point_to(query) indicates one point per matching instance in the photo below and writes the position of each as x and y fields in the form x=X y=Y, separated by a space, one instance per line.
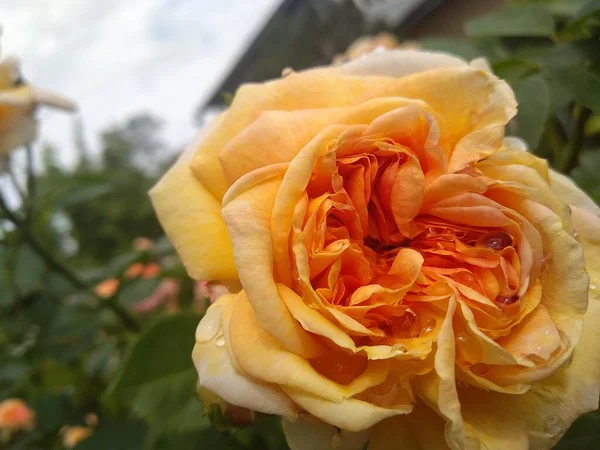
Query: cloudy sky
x=116 y=57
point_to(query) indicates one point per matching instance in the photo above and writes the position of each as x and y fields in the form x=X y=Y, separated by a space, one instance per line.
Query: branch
x=30 y=185
x=63 y=270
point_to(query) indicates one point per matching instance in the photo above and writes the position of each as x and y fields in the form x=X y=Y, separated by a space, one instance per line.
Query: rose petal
x=217 y=374
x=191 y=217
x=309 y=433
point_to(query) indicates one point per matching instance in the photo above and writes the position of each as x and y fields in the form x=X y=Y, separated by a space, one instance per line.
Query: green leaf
x=82 y=194
x=208 y=439
x=534 y=104
x=134 y=291
x=513 y=69
x=583 y=434
x=526 y=20
x=158 y=377
x=564 y=8
x=590 y=7
x=582 y=84
x=29 y=270
x=115 y=436
x=462 y=48
x=52 y=411
x=172 y=404
x=586 y=175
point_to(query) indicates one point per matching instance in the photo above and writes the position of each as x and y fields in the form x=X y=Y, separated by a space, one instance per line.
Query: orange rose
x=410 y=276
x=74 y=435
x=107 y=288
x=15 y=415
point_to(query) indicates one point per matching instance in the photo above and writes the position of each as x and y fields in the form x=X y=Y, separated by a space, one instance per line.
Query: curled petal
x=217 y=373
x=191 y=217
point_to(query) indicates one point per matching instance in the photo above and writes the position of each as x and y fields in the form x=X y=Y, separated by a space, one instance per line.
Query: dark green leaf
x=513 y=69
x=158 y=376
x=591 y=6
x=559 y=94
x=209 y=439
x=82 y=194
x=115 y=436
x=583 y=434
x=534 y=105
x=582 y=84
x=526 y=20
x=171 y=403
x=29 y=270
x=586 y=175
x=53 y=411
x=134 y=291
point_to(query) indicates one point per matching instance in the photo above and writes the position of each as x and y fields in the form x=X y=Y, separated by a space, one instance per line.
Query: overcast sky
x=118 y=57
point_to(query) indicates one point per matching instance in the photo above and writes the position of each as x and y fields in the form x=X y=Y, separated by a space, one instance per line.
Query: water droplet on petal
x=553 y=426
x=463 y=338
x=209 y=325
x=506 y=300
x=480 y=369
x=547 y=333
x=593 y=286
x=497 y=241
x=429 y=325
x=220 y=341
x=398 y=349
x=538 y=348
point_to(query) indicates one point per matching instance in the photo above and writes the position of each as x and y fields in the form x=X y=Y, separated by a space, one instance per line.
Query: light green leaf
x=534 y=104
x=582 y=83
x=158 y=377
x=529 y=20
x=462 y=48
x=564 y=8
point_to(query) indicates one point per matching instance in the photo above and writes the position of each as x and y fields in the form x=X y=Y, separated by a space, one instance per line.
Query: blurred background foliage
x=97 y=314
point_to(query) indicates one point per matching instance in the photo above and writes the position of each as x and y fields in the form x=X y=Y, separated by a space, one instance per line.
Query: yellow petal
x=9 y=72
x=16 y=129
x=349 y=414
x=586 y=220
x=422 y=429
x=247 y=211
x=438 y=388
x=191 y=217
x=309 y=433
x=278 y=136
x=217 y=373
x=400 y=63
x=261 y=356
x=540 y=417
x=569 y=193
x=479 y=118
